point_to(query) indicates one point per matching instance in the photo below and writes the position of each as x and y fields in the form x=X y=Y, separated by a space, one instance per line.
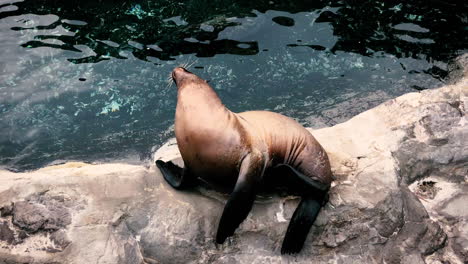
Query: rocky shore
x=400 y=196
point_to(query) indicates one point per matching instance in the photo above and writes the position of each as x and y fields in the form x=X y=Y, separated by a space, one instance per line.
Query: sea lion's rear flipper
x=242 y=197
x=314 y=196
x=300 y=181
x=177 y=177
x=300 y=224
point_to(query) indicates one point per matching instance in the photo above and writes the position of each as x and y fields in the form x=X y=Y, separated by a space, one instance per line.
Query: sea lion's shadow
x=276 y=186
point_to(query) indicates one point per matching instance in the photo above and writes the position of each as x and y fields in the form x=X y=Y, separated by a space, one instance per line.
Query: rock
x=46 y=214
x=6 y=234
x=399 y=196
x=29 y=216
x=6 y=210
x=458 y=69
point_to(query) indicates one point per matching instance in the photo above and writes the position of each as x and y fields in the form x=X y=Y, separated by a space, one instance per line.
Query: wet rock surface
x=400 y=196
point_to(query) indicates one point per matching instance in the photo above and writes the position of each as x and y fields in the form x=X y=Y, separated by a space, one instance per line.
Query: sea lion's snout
x=179 y=73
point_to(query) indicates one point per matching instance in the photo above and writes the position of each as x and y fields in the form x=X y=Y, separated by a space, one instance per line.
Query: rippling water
x=87 y=80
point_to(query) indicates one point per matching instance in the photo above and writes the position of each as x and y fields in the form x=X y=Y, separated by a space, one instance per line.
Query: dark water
x=86 y=80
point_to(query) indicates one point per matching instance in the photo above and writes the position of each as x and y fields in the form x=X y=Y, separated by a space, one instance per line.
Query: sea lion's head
x=182 y=77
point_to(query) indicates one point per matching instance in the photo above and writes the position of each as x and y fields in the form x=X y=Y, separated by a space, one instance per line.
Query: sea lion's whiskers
x=187 y=65
x=169 y=77
x=183 y=65
x=169 y=84
x=191 y=64
x=169 y=81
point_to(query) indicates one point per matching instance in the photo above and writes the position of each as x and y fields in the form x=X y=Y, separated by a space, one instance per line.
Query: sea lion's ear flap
x=241 y=199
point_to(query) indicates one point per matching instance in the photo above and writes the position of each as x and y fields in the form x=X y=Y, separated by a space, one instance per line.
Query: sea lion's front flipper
x=242 y=197
x=177 y=177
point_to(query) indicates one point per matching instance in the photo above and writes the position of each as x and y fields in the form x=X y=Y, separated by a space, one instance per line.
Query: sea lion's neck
x=200 y=104
x=199 y=97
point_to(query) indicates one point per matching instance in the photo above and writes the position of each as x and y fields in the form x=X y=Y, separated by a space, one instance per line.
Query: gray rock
x=60 y=241
x=458 y=69
x=399 y=196
x=6 y=210
x=30 y=216
x=6 y=234
x=46 y=214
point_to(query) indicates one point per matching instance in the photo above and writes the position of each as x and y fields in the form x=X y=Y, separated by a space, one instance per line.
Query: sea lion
x=242 y=151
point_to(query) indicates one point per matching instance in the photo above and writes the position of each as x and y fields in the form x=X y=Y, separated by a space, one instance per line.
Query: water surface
x=87 y=80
